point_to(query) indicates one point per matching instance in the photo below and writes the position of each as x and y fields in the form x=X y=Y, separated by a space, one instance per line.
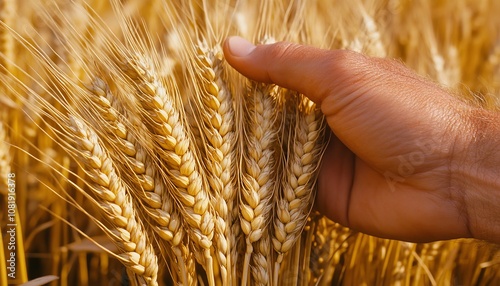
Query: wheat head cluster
x=142 y=158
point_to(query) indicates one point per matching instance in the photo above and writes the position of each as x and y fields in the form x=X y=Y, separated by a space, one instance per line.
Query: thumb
x=365 y=99
x=308 y=70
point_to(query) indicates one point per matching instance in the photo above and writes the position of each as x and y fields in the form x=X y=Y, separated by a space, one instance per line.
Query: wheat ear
x=218 y=126
x=297 y=192
x=166 y=123
x=116 y=203
x=259 y=167
x=159 y=206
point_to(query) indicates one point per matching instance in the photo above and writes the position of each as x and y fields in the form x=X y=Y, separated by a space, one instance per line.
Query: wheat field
x=131 y=153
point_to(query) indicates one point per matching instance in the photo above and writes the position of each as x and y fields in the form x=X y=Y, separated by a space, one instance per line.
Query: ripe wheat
x=216 y=109
x=297 y=193
x=147 y=182
x=116 y=203
x=259 y=170
x=174 y=147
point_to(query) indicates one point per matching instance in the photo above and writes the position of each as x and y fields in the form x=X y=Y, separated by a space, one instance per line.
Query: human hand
x=395 y=165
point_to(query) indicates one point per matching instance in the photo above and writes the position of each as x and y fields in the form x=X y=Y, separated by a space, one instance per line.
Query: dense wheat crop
x=132 y=154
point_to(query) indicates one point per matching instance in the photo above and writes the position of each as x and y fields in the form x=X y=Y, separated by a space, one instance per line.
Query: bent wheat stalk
x=115 y=202
x=174 y=146
x=151 y=188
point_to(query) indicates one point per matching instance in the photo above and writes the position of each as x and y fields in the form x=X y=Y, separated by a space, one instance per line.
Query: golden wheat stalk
x=216 y=109
x=297 y=194
x=148 y=184
x=174 y=146
x=259 y=170
x=116 y=203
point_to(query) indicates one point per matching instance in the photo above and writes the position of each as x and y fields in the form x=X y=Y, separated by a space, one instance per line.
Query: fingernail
x=240 y=47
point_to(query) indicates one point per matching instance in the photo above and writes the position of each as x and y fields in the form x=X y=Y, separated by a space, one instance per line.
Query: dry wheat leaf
x=93 y=244
x=41 y=280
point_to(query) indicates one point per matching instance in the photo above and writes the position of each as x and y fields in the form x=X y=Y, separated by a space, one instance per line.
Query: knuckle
x=349 y=68
x=283 y=50
x=348 y=63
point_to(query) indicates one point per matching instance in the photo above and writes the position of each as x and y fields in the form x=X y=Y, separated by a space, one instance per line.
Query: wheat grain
x=116 y=203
